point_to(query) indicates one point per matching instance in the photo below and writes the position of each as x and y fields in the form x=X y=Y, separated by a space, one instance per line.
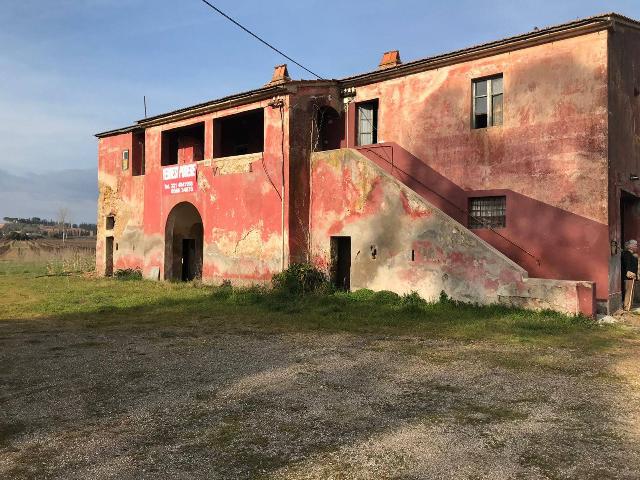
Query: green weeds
x=103 y=302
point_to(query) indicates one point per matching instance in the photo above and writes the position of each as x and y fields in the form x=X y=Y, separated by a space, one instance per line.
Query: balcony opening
x=183 y=145
x=137 y=158
x=239 y=134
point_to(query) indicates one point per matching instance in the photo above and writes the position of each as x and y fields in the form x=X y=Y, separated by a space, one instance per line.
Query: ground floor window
x=488 y=212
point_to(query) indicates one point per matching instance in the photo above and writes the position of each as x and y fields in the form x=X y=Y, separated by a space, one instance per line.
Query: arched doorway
x=183 y=243
x=330 y=129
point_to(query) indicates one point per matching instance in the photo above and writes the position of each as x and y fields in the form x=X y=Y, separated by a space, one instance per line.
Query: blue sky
x=71 y=68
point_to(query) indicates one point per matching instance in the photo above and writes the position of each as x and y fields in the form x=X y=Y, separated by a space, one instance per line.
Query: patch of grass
x=35 y=267
x=10 y=430
x=87 y=344
x=104 y=302
x=471 y=413
x=224 y=434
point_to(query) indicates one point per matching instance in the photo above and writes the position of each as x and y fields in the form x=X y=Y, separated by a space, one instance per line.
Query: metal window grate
x=488 y=212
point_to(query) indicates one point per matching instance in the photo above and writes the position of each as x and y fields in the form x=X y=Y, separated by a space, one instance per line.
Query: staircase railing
x=464 y=211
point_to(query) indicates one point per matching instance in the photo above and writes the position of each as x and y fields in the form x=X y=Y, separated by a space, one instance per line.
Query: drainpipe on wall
x=282 y=190
x=279 y=104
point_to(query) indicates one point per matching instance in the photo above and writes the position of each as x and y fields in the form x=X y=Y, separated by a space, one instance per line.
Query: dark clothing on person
x=629 y=263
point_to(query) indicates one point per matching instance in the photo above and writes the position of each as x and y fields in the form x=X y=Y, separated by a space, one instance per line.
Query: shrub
x=299 y=279
x=413 y=299
x=384 y=297
x=128 y=274
x=362 y=294
x=444 y=298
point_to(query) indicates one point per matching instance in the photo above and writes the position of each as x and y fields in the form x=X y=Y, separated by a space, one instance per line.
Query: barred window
x=488 y=212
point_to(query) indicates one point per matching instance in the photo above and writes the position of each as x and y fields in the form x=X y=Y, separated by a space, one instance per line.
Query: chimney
x=390 y=59
x=280 y=75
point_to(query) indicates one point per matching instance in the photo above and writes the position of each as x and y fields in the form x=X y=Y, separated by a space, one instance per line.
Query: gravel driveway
x=133 y=402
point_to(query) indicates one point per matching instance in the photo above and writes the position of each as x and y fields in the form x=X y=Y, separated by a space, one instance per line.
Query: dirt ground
x=138 y=401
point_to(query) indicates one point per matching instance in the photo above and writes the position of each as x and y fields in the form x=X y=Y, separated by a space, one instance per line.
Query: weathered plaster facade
x=564 y=158
x=417 y=246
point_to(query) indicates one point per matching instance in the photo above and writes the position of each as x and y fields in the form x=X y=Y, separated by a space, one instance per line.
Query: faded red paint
x=558 y=160
x=549 y=158
x=446 y=256
x=233 y=206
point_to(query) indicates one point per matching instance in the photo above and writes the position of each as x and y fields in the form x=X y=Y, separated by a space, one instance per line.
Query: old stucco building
x=506 y=172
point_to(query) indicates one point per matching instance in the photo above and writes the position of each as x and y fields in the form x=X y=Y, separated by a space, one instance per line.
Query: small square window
x=487 y=102
x=487 y=212
x=110 y=222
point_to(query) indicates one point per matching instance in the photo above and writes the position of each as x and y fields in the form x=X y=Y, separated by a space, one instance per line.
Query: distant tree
x=63 y=217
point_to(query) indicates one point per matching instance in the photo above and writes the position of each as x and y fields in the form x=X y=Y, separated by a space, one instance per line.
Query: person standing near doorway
x=629 y=271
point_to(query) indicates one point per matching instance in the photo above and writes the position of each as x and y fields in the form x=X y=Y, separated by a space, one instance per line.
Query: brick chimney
x=390 y=59
x=280 y=75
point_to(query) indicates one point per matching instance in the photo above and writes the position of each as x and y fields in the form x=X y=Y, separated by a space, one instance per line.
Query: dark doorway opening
x=108 y=270
x=330 y=129
x=189 y=267
x=629 y=216
x=183 y=243
x=629 y=226
x=341 y=262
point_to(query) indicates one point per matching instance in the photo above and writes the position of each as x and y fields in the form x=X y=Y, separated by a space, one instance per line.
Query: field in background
x=47 y=256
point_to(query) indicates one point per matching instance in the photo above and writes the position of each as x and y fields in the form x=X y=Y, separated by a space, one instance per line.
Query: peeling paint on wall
x=447 y=256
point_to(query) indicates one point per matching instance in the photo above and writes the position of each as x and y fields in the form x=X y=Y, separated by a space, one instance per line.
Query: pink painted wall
x=549 y=156
x=121 y=195
x=239 y=205
x=352 y=196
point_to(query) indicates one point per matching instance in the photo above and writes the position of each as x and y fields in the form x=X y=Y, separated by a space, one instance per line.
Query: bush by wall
x=128 y=274
x=300 y=279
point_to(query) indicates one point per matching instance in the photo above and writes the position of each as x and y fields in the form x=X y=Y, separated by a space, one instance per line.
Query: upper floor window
x=367 y=122
x=125 y=160
x=487 y=102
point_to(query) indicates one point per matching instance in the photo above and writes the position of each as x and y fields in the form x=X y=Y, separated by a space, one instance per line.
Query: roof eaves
x=118 y=131
x=544 y=35
x=193 y=110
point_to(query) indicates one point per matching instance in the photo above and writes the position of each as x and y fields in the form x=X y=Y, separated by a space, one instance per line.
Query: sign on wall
x=180 y=178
